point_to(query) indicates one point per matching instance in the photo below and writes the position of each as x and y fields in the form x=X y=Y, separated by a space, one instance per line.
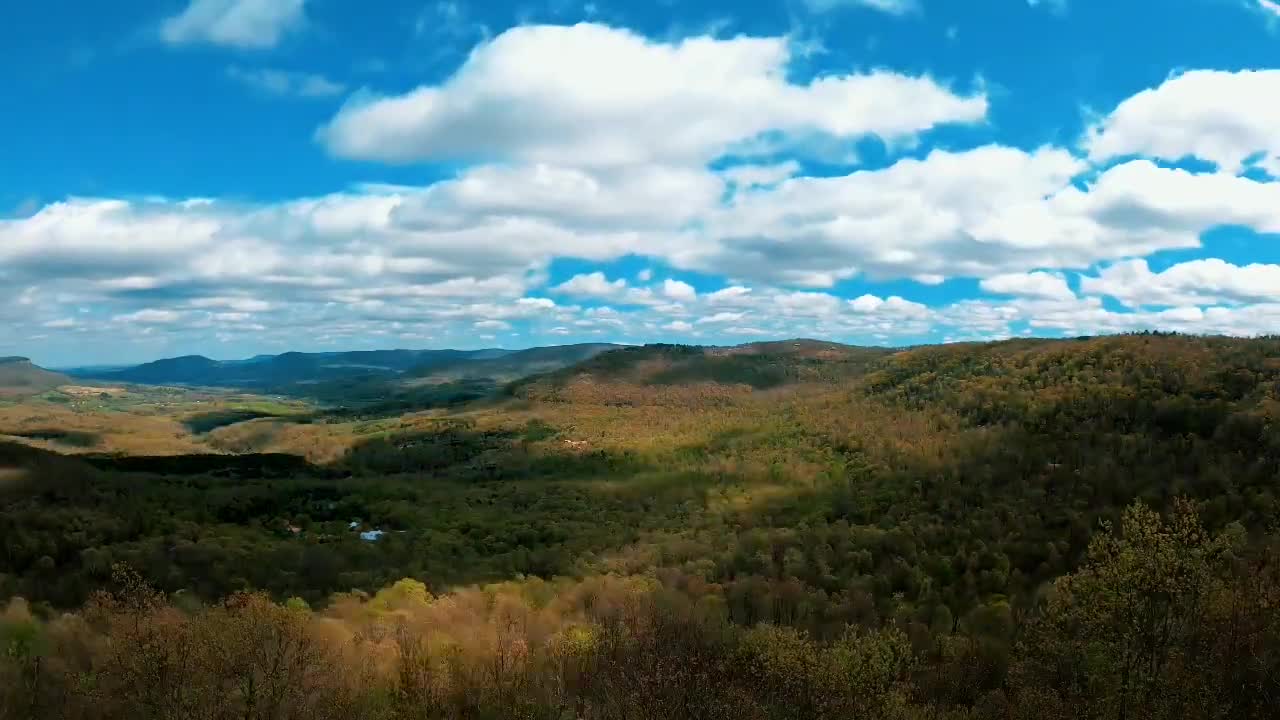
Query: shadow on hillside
x=458 y=452
x=207 y=422
x=70 y=438
x=256 y=465
x=451 y=451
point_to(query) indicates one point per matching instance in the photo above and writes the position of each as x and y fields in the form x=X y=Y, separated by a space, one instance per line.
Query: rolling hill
x=515 y=365
x=799 y=495
x=760 y=366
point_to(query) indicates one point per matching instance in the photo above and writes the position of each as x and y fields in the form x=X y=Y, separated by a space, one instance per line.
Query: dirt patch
x=85 y=391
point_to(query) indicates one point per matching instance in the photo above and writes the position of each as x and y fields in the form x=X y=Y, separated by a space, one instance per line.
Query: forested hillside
x=780 y=530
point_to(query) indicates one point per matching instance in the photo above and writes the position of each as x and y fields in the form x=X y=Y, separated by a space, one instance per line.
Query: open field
x=134 y=420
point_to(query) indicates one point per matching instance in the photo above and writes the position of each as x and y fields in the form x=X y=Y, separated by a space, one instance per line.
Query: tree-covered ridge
x=514 y=364
x=872 y=500
x=758 y=366
x=1162 y=620
x=940 y=491
x=1204 y=377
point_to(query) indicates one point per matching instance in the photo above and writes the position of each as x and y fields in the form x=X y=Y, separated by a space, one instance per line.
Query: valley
x=939 y=491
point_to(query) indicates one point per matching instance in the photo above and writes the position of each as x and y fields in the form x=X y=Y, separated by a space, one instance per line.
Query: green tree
x=1115 y=631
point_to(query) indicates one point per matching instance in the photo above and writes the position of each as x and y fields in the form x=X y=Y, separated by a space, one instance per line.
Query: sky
x=236 y=177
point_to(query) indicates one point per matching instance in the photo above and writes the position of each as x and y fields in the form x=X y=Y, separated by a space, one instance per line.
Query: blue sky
x=232 y=177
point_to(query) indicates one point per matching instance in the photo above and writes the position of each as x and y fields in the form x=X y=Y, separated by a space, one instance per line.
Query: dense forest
x=1049 y=529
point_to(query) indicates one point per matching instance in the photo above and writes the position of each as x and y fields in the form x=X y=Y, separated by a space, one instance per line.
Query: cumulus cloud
x=580 y=162
x=976 y=213
x=722 y=317
x=728 y=295
x=238 y=23
x=1223 y=117
x=890 y=306
x=596 y=96
x=678 y=290
x=1035 y=284
x=1190 y=283
x=618 y=198
x=916 y=216
x=592 y=285
x=1087 y=316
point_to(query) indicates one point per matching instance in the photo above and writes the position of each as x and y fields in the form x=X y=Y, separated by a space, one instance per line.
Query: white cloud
x=728 y=295
x=238 y=23
x=722 y=317
x=1139 y=194
x=679 y=291
x=937 y=215
x=985 y=319
x=465 y=254
x=1222 y=117
x=1034 y=284
x=237 y=304
x=667 y=297
x=893 y=305
x=988 y=211
x=592 y=285
x=492 y=325
x=285 y=82
x=1189 y=283
x=866 y=303
x=354 y=262
x=598 y=198
x=150 y=316
x=590 y=95
x=1270 y=7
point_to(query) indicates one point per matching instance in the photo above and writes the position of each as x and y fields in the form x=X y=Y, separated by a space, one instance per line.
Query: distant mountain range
x=293 y=371
x=430 y=378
